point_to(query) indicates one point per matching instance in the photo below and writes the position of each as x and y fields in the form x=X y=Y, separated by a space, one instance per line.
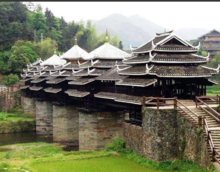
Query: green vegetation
x=45 y=157
x=12 y=117
x=28 y=34
x=213 y=90
x=16 y=122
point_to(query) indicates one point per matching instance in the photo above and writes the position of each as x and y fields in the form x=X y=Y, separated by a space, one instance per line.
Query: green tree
x=10 y=79
x=45 y=49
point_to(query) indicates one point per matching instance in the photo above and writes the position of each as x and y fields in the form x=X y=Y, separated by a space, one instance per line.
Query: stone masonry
x=28 y=105
x=44 y=117
x=165 y=135
x=98 y=128
x=66 y=125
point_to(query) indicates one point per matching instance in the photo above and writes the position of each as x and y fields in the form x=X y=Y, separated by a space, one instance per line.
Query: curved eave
x=134 y=85
x=140 y=62
x=167 y=76
x=177 y=62
x=72 y=83
x=128 y=102
x=160 y=50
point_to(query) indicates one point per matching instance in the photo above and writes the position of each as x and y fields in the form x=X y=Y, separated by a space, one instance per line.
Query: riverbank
x=16 y=122
x=46 y=157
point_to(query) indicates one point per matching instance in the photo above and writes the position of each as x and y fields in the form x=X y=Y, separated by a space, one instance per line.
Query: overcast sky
x=170 y=15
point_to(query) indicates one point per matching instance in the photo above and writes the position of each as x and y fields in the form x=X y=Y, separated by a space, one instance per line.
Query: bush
x=117 y=145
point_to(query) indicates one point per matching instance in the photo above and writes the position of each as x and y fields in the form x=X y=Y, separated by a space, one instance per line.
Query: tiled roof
x=38 y=80
x=75 y=93
x=106 y=63
x=177 y=57
x=139 y=82
x=56 y=80
x=171 y=71
x=148 y=46
x=72 y=66
x=75 y=52
x=72 y=78
x=107 y=51
x=24 y=87
x=35 y=88
x=52 y=90
x=111 y=74
x=54 y=60
x=82 y=81
x=124 y=98
x=138 y=59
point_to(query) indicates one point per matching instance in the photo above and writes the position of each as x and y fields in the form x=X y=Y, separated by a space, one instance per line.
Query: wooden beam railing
x=210 y=141
x=213 y=113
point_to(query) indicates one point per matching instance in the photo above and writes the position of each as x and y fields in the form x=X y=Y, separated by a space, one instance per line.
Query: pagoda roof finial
x=55 y=48
x=106 y=37
x=75 y=39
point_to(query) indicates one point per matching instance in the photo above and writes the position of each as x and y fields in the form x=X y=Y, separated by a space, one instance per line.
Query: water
x=26 y=137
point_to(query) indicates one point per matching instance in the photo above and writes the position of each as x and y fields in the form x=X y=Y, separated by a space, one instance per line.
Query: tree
x=216 y=60
x=120 y=45
x=10 y=79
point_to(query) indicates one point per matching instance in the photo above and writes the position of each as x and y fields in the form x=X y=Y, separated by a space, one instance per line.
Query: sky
x=170 y=15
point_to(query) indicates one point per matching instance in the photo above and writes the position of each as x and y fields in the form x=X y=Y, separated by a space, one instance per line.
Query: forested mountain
x=27 y=34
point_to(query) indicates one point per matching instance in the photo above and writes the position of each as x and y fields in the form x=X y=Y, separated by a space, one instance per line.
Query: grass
x=13 y=117
x=213 y=90
x=47 y=157
x=105 y=164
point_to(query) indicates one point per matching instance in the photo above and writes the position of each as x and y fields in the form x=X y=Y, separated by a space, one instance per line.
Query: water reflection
x=26 y=137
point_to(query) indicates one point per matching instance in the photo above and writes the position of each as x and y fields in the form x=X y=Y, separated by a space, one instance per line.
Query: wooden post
x=157 y=103
x=203 y=123
x=175 y=102
x=196 y=101
x=213 y=154
x=143 y=101
x=200 y=121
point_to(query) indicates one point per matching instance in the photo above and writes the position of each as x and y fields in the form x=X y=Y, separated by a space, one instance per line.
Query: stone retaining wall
x=166 y=135
x=44 y=117
x=98 y=128
x=66 y=125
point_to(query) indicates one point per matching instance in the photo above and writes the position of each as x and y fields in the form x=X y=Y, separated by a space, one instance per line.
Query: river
x=25 y=137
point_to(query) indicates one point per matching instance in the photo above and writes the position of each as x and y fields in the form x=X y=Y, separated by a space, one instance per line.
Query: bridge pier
x=98 y=128
x=66 y=125
x=44 y=118
x=28 y=105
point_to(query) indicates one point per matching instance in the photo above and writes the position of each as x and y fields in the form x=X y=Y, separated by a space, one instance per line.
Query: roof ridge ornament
x=106 y=37
x=152 y=56
x=92 y=63
x=148 y=69
x=131 y=47
x=60 y=73
x=153 y=45
x=90 y=71
x=118 y=69
x=76 y=39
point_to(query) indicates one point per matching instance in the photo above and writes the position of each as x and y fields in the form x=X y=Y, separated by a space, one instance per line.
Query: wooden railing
x=210 y=141
x=203 y=103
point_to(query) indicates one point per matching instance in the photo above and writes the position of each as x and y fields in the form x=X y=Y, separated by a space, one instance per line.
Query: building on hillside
x=210 y=42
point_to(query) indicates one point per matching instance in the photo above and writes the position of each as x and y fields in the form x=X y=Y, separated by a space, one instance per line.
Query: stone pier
x=28 y=105
x=98 y=128
x=66 y=125
x=44 y=117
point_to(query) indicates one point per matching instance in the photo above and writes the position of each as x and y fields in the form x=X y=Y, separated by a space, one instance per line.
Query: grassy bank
x=45 y=157
x=16 y=122
x=213 y=90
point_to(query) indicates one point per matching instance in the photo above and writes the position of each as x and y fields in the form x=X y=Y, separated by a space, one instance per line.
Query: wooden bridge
x=201 y=112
